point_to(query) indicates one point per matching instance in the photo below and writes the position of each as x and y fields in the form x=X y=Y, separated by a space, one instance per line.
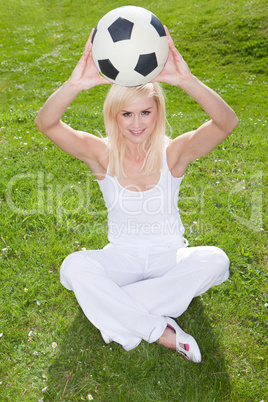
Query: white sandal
x=191 y=349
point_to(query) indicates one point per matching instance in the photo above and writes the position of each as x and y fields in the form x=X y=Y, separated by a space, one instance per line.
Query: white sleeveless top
x=142 y=218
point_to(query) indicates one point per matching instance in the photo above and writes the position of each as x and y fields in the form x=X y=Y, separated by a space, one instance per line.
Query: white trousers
x=127 y=292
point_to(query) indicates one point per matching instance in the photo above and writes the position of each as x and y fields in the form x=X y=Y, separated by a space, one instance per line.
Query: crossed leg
x=128 y=302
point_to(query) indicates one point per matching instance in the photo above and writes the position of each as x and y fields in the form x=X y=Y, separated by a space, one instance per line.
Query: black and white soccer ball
x=130 y=46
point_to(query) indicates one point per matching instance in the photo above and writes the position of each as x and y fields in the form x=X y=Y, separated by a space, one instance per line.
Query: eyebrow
x=143 y=110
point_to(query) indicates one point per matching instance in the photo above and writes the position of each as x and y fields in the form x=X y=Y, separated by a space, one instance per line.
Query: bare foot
x=168 y=339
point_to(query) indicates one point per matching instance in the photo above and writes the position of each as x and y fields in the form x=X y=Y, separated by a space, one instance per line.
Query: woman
x=146 y=274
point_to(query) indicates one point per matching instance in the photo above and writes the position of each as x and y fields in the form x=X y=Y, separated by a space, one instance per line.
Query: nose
x=136 y=121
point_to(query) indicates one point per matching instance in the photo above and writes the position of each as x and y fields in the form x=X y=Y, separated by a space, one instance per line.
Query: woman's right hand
x=86 y=75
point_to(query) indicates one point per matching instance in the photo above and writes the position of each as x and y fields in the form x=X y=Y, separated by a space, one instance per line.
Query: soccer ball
x=130 y=46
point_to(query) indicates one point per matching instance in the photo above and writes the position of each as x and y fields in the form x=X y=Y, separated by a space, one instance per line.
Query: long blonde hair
x=116 y=99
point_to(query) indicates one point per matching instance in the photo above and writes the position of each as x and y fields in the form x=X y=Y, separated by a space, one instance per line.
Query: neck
x=135 y=151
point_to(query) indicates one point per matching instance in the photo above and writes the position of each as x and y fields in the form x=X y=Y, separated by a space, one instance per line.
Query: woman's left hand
x=176 y=71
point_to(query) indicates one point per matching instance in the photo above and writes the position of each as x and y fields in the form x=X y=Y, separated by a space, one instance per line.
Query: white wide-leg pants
x=127 y=292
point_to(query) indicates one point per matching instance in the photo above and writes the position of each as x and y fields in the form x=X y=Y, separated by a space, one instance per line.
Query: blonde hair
x=116 y=100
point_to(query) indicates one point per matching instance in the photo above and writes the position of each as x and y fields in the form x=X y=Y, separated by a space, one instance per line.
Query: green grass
x=51 y=206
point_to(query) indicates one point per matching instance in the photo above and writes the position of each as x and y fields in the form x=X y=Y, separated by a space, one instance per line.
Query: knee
x=221 y=262
x=69 y=268
x=80 y=266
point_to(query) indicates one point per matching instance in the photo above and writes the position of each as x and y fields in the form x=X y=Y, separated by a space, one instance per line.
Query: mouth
x=136 y=133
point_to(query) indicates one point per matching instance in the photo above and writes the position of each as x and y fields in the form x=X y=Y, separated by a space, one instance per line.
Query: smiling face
x=135 y=116
x=137 y=120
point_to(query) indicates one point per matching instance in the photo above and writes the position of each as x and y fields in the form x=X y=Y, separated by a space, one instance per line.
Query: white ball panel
x=102 y=44
x=144 y=39
x=129 y=59
x=162 y=50
x=132 y=78
x=135 y=14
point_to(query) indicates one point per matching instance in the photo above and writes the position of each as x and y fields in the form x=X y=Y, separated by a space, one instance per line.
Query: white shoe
x=191 y=349
x=105 y=338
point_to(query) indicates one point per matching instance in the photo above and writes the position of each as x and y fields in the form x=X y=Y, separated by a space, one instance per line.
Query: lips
x=137 y=132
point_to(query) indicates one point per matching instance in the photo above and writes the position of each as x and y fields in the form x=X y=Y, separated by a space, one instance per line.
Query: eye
x=145 y=113
x=126 y=114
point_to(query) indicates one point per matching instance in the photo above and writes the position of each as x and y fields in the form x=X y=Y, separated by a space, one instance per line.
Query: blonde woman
x=146 y=274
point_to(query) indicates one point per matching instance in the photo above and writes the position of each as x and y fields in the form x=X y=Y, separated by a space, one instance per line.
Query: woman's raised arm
x=190 y=146
x=48 y=120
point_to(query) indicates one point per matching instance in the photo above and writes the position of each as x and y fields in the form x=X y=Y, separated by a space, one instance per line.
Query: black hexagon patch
x=108 y=69
x=121 y=29
x=146 y=64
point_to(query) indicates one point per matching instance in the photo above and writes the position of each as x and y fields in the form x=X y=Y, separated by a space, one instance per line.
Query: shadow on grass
x=86 y=366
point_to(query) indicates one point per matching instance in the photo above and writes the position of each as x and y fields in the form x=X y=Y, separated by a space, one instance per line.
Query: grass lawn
x=51 y=206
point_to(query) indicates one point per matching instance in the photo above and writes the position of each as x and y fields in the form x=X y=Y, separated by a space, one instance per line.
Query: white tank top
x=143 y=218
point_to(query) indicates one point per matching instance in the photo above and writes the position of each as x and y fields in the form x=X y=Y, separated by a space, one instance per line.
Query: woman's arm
x=190 y=146
x=79 y=144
